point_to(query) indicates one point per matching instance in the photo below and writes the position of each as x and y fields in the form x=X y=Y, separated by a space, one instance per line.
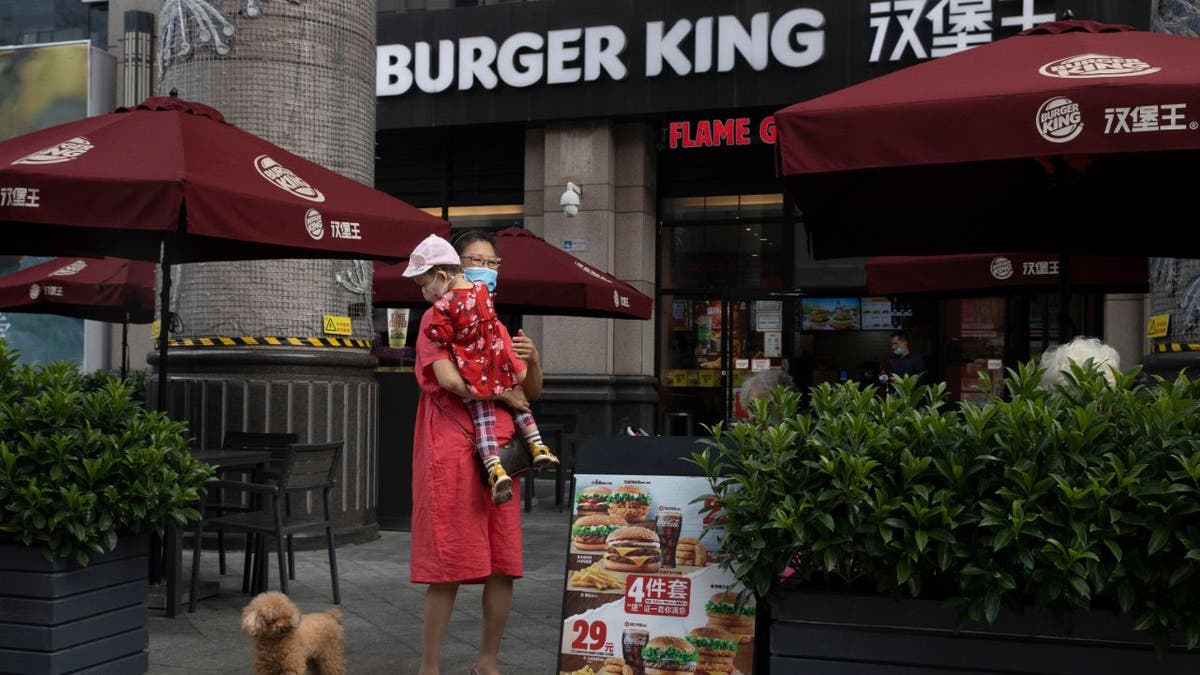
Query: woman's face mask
x=435 y=288
x=483 y=275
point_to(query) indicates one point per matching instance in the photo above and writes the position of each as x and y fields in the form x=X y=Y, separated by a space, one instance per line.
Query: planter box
x=840 y=634
x=58 y=617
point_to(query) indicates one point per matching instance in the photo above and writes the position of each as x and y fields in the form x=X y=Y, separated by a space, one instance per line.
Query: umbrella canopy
x=121 y=183
x=1059 y=138
x=900 y=275
x=170 y=180
x=536 y=278
x=100 y=289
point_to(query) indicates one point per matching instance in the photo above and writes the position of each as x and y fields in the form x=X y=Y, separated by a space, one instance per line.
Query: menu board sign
x=830 y=314
x=645 y=592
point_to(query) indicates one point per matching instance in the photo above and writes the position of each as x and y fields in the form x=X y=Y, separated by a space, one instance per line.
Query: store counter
x=398 y=396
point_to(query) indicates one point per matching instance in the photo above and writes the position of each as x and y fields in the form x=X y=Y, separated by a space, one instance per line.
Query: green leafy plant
x=1084 y=496
x=82 y=462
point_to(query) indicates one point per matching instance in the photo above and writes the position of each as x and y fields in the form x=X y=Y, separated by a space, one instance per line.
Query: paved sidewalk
x=382 y=609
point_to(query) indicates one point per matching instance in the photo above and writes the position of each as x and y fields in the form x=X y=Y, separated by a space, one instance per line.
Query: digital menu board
x=831 y=314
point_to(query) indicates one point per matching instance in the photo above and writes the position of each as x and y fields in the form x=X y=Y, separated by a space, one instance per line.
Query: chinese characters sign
x=922 y=29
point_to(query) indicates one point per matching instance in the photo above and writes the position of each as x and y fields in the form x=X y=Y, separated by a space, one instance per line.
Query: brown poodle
x=286 y=643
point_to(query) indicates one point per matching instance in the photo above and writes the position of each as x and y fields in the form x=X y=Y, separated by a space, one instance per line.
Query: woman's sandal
x=500 y=483
x=542 y=457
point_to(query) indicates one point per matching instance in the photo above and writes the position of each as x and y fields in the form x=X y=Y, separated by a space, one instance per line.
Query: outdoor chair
x=275 y=443
x=304 y=468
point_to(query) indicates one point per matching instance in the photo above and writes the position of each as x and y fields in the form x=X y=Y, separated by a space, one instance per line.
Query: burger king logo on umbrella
x=1085 y=66
x=69 y=270
x=1002 y=268
x=1059 y=120
x=283 y=178
x=314 y=224
x=56 y=154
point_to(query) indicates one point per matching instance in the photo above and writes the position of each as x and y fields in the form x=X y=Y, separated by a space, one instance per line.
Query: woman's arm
x=450 y=379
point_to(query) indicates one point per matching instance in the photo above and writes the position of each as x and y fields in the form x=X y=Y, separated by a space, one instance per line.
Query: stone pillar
x=599 y=371
x=131 y=40
x=1175 y=283
x=299 y=73
x=1124 y=323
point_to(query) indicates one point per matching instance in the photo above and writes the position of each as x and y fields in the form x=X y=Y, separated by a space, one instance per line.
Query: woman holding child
x=458 y=534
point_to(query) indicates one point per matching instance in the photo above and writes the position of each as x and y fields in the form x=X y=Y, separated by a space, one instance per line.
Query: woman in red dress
x=464 y=320
x=458 y=534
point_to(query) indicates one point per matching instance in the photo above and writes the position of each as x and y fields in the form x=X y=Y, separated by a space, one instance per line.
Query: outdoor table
x=254 y=460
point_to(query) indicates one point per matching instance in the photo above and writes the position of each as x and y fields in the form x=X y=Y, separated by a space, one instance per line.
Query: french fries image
x=594 y=576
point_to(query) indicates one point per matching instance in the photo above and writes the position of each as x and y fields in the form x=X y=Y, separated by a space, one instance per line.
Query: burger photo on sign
x=669 y=655
x=592 y=500
x=715 y=649
x=590 y=533
x=631 y=502
x=632 y=549
x=724 y=611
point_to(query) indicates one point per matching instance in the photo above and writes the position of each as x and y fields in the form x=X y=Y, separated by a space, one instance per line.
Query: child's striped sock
x=490 y=462
x=533 y=437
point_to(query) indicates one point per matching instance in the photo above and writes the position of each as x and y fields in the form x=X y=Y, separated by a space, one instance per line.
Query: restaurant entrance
x=712 y=343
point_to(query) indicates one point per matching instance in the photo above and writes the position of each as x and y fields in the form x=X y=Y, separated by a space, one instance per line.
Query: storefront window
x=486 y=217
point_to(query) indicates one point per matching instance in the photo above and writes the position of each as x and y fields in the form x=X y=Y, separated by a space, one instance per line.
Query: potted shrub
x=86 y=474
x=1048 y=531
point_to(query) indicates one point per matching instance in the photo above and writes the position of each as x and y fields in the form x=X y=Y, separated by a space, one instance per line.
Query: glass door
x=712 y=344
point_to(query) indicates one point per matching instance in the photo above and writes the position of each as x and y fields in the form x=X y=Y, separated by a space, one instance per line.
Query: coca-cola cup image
x=668 y=522
x=632 y=643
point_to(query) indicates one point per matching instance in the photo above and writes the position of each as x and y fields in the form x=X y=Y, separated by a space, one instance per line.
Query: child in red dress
x=465 y=322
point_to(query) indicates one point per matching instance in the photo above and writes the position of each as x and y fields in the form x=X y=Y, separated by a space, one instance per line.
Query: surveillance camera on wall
x=570 y=200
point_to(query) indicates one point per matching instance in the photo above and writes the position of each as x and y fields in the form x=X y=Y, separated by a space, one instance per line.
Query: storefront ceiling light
x=486 y=210
x=727 y=200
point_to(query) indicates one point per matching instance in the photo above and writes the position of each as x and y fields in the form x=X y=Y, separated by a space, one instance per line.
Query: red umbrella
x=536 y=278
x=172 y=173
x=101 y=289
x=1043 y=141
x=899 y=275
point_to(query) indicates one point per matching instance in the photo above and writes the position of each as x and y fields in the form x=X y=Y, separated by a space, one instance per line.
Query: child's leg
x=528 y=429
x=483 y=414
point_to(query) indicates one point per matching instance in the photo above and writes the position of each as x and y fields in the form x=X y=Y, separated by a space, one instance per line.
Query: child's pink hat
x=433 y=251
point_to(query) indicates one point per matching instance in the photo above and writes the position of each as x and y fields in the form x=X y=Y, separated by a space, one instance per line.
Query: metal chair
x=275 y=443
x=305 y=467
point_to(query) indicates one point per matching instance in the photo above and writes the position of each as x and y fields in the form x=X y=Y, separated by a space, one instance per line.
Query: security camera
x=570 y=200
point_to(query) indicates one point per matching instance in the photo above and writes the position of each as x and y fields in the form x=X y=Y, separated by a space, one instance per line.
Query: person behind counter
x=904 y=361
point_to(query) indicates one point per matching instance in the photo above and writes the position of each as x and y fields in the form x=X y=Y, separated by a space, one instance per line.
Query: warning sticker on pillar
x=337 y=325
x=154 y=329
x=1158 y=325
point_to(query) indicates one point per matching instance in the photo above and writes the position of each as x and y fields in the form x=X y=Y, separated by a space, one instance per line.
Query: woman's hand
x=515 y=398
x=524 y=348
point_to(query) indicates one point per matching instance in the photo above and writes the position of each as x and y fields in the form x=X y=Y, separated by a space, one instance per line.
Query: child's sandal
x=501 y=484
x=542 y=457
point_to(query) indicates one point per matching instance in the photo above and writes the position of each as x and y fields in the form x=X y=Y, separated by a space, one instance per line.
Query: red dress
x=464 y=319
x=457 y=534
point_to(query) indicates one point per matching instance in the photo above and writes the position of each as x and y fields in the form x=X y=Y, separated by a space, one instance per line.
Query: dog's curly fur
x=286 y=642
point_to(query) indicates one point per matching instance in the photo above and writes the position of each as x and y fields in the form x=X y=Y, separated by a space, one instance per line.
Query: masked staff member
x=903 y=361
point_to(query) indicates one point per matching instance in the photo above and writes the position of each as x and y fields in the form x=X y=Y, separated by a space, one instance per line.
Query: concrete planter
x=58 y=617
x=840 y=634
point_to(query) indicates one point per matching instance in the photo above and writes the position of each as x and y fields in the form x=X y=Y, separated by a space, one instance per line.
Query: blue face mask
x=483 y=275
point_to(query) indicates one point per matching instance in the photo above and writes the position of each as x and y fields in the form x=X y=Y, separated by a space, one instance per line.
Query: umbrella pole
x=164 y=321
x=1066 y=327
x=125 y=347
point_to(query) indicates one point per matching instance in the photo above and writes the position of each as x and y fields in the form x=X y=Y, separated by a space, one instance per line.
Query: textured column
x=599 y=371
x=1175 y=283
x=299 y=73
